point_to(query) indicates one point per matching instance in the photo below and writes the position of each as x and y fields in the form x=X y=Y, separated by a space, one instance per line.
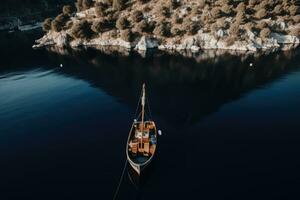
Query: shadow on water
x=185 y=89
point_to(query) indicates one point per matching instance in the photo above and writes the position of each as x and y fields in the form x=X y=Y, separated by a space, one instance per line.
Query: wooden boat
x=142 y=139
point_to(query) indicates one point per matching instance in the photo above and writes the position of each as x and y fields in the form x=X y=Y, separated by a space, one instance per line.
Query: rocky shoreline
x=200 y=41
x=249 y=40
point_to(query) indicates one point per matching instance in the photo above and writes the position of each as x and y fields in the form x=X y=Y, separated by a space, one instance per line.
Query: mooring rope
x=120 y=181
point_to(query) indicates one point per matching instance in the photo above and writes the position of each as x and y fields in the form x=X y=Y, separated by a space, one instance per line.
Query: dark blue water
x=230 y=131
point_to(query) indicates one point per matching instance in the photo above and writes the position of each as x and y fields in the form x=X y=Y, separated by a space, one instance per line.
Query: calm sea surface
x=230 y=131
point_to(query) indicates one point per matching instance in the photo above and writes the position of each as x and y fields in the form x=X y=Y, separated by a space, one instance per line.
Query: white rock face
x=146 y=43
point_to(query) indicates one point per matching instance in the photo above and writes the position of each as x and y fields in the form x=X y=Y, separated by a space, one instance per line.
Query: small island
x=250 y=25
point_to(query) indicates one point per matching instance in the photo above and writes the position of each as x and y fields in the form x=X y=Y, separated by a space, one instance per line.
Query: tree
x=122 y=23
x=47 y=24
x=67 y=10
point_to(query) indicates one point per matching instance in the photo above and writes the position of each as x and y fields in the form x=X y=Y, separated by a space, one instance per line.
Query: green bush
x=81 y=29
x=47 y=24
x=67 y=10
x=122 y=23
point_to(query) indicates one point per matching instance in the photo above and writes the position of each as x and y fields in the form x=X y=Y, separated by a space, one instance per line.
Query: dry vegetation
x=171 y=18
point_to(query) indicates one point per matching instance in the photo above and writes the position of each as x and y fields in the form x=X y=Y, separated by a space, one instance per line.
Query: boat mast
x=143 y=111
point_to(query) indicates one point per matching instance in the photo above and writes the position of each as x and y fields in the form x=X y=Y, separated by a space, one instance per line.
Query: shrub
x=119 y=4
x=201 y=3
x=100 y=9
x=68 y=25
x=127 y=35
x=230 y=40
x=47 y=24
x=293 y=10
x=86 y=4
x=81 y=29
x=241 y=18
x=176 y=19
x=252 y=3
x=221 y=23
x=295 y=32
x=265 y=33
x=278 y=9
x=165 y=11
x=62 y=18
x=226 y=9
x=100 y=26
x=250 y=26
x=216 y=12
x=296 y=19
x=261 y=25
x=176 y=31
x=67 y=10
x=262 y=13
x=144 y=26
x=79 y=5
x=191 y=27
x=163 y=29
x=234 y=29
x=143 y=1
x=56 y=26
x=122 y=23
x=174 y=4
x=137 y=16
x=241 y=7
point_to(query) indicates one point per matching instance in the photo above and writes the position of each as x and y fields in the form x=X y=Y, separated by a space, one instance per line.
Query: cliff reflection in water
x=182 y=88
